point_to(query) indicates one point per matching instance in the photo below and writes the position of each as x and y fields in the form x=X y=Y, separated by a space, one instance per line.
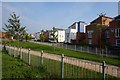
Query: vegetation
x=15 y=68
x=54 y=35
x=67 y=52
x=14 y=28
x=51 y=69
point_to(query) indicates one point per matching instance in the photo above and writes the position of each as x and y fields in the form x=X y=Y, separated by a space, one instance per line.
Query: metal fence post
x=106 y=51
x=66 y=46
x=20 y=52
x=88 y=49
x=14 y=51
x=96 y=50
x=42 y=57
x=81 y=48
x=29 y=56
x=118 y=72
x=75 y=46
x=103 y=70
x=62 y=66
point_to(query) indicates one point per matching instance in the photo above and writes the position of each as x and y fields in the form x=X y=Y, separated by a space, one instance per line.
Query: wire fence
x=61 y=66
x=91 y=50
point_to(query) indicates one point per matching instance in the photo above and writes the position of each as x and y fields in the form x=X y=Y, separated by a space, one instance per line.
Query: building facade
x=71 y=32
x=95 y=31
x=37 y=36
x=4 y=35
x=114 y=28
x=59 y=33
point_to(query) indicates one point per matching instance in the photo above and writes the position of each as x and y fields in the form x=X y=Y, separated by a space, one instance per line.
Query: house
x=59 y=33
x=4 y=35
x=37 y=36
x=46 y=36
x=114 y=36
x=71 y=34
x=95 y=31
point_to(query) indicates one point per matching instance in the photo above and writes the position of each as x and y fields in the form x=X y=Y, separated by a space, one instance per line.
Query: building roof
x=76 y=22
x=100 y=17
x=58 y=29
x=117 y=17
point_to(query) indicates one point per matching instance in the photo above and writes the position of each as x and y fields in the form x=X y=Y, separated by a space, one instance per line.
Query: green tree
x=54 y=35
x=14 y=27
x=42 y=37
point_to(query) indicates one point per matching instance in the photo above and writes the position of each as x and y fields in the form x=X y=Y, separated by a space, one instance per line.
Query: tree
x=42 y=37
x=54 y=35
x=14 y=27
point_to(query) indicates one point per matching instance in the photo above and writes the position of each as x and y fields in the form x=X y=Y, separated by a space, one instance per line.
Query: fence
x=92 y=50
x=61 y=66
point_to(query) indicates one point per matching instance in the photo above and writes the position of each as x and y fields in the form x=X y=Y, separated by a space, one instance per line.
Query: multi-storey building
x=94 y=31
x=73 y=32
x=59 y=33
x=114 y=36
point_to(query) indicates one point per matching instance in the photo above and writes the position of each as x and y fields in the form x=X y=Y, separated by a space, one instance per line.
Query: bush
x=6 y=41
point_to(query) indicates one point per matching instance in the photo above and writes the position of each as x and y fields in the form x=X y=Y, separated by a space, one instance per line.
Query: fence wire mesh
x=73 y=67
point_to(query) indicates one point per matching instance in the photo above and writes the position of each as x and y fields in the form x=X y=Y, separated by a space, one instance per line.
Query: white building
x=70 y=33
x=60 y=33
x=37 y=36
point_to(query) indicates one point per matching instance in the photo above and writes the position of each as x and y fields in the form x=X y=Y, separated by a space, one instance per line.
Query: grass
x=67 y=52
x=15 y=68
x=53 y=68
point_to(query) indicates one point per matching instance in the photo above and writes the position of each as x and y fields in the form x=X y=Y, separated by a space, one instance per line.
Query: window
x=117 y=42
x=90 y=34
x=107 y=34
x=89 y=41
x=117 y=32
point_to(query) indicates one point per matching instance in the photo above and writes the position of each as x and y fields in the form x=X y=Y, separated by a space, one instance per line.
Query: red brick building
x=95 y=31
x=46 y=36
x=80 y=38
x=114 y=30
x=4 y=35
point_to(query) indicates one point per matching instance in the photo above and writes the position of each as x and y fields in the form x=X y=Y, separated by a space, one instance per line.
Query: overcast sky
x=45 y=15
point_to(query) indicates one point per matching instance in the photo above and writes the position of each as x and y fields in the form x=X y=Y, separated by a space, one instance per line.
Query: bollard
x=62 y=66
x=103 y=70
x=42 y=57
x=29 y=56
x=21 y=53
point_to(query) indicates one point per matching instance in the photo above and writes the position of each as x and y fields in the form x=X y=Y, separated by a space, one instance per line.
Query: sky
x=45 y=15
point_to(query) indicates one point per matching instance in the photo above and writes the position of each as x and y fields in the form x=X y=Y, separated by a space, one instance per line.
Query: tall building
x=94 y=31
x=71 y=32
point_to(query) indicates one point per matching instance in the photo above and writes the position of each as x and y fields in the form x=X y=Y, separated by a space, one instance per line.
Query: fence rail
x=65 y=67
x=91 y=50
